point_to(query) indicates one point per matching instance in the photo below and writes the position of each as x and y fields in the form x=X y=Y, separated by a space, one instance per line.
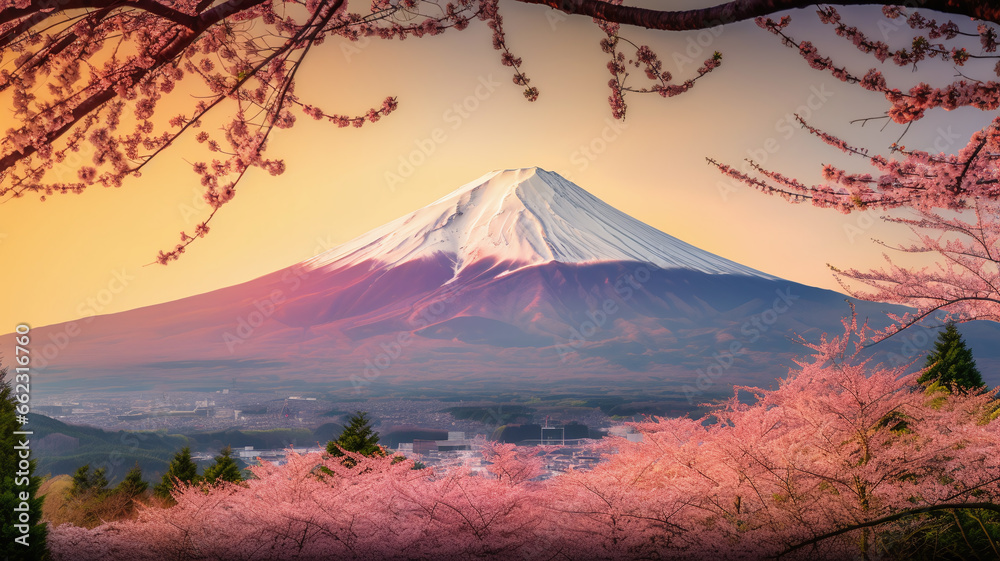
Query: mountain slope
x=518 y=281
x=523 y=217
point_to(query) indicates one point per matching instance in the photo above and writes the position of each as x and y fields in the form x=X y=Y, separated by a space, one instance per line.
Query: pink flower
x=87 y=174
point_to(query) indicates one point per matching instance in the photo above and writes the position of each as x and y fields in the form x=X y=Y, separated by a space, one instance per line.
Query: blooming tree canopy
x=844 y=460
x=950 y=201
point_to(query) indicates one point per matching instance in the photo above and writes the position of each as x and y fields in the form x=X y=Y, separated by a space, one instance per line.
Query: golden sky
x=76 y=255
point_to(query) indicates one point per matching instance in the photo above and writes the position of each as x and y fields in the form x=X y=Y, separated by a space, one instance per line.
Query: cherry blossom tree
x=845 y=459
x=96 y=73
x=314 y=507
x=949 y=201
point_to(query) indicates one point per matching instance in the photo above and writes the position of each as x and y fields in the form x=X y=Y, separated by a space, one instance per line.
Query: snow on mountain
x=539 y=306
x=523 y=217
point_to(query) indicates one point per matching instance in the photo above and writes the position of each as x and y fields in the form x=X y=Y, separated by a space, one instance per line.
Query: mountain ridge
x=523 y=216
x=564 y=302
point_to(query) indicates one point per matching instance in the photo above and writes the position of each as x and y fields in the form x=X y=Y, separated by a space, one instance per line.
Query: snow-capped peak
x=524 y=217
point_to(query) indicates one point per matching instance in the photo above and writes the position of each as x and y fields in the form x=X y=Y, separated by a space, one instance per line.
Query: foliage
x=822 y=467
x=260 y=439
x=13 y=484
x=951 y=202
x=151 y=449
x=951 y=363
x=955 y=535
x=225 y=468
x=510 y=464
x=89 y=502
x=133 y=483
x=358 y=436
x=88 y=482
x=182 y=469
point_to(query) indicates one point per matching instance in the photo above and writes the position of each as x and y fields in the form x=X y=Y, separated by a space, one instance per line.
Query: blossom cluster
x=954 y=196
x=107 y=72
x=844 y=456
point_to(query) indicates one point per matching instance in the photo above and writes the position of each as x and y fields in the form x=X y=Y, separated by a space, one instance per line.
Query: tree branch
x=47 y=7
x=891 y=518
x=740 y=10
x=222 y=11
x=196 y=26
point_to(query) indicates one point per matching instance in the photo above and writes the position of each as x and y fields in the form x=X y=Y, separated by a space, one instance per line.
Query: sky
x=459 y=117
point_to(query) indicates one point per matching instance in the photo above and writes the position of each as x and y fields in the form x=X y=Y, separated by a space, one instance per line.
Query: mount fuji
x=523 y=217
x=518 y=281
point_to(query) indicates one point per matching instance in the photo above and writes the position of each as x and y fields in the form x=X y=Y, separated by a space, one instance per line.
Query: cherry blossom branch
x=45 y=8
x=891 y=518
x=738 y=10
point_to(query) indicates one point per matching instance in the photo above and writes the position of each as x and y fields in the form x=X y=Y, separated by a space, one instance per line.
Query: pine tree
x=182 y=468
x=14 y=487
x=81 y=480
x=120 y=501
x=358 y=436
x=85 y=482
x=133 y=485
x=951 y=363
x=225 y=468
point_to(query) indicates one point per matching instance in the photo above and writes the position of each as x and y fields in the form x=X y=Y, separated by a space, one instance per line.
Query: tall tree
x=133 y=484
x=358 y=437
x=19 y=500
x=225 y=468
x=182 y=469
x=952 y=363
x=89 y=502
x=121 y=501
x=86 y=482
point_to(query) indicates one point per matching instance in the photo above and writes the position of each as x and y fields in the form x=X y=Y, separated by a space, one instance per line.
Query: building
x=628 y=433
x=250 y=456
x=456 y=441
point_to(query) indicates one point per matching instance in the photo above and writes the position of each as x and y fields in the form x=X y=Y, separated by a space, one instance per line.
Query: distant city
x=435 y=432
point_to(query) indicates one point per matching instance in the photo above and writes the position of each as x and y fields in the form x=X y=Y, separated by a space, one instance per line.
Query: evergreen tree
x=85 y=482
x=133 y=485
x=121 y=501
x=81 y=481
x=225 y=468
x=358 y=436
x=17 y=484
x=952 y=363
x=182 y=468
